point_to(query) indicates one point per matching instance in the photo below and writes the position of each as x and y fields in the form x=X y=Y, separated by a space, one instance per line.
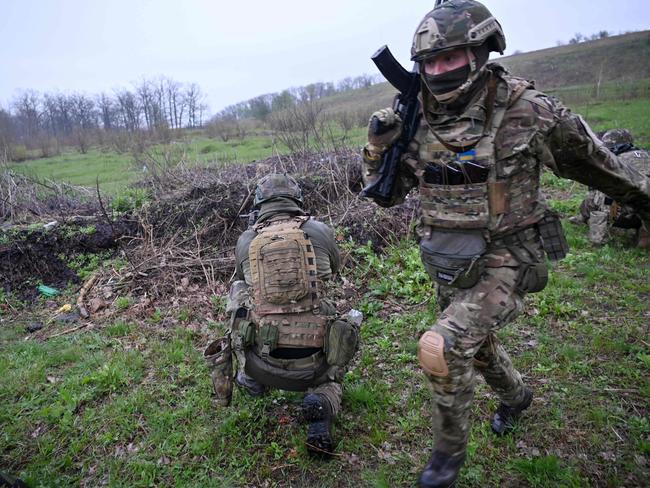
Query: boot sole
x=319 y=440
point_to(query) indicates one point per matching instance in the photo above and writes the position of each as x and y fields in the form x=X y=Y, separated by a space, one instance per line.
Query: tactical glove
x=384 y=129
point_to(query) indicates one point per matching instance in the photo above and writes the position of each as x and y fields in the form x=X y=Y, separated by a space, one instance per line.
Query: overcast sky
x=238 y=49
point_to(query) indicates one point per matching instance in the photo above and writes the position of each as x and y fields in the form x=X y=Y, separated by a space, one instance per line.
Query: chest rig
x=468 y=181
x=285 y=286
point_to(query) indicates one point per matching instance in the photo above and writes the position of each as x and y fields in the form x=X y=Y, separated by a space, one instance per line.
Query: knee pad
x=431 y=354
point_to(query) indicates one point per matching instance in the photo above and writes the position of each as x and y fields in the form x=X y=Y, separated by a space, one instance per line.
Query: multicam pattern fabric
x=277 y=185
x=218 y=357
x=468 y=323
x=456 y=23
x=536 y=131
x=510 y=196
x=617 y=136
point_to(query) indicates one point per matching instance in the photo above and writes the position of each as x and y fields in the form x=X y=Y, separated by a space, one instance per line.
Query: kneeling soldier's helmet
x=453 y=24
x=615 y=137
x=277 y=185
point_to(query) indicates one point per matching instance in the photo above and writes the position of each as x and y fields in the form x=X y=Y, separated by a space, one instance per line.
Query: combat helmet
x=454 y=24
x=615 y=137
x=277 y=185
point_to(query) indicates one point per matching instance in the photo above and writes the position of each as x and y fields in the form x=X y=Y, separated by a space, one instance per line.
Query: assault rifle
x=407 y=106
x=252 y=217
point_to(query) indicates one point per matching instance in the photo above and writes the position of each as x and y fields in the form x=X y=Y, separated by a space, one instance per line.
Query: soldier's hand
x=384 y=129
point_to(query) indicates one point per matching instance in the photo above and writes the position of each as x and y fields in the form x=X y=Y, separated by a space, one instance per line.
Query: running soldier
x=484 y=228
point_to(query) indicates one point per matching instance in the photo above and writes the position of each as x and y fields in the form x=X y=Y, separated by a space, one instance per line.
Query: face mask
x=447 y=82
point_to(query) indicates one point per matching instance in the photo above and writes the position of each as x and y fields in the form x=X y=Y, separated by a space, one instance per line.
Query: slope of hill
x=618 y=58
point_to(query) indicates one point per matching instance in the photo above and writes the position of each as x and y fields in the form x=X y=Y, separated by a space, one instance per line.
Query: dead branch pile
x=190 y=228
x=24 y=199
x=186 y=232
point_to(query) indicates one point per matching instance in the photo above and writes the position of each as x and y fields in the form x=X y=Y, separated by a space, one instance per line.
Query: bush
x=18 y=153
x=129 y=200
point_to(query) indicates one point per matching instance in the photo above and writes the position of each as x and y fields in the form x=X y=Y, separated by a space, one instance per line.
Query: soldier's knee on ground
x=431 y=354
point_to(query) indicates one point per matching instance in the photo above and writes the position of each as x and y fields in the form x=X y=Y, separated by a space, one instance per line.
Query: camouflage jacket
x=536 y=130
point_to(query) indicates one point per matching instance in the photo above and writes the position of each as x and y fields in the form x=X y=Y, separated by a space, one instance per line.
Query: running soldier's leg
x=444 y=295
x=493 y=362
x=465 y=325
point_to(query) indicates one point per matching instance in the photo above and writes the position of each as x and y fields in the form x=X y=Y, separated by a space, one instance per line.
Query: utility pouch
x=246 y=331
x=341 y=342
x=267 y=339
x=452 y=258
x=534 y=277
x=553 y=238
x=218 y=356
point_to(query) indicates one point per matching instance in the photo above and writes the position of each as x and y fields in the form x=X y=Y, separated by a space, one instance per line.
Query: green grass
x=629 y=114
x=116 y=171
x=113 y=170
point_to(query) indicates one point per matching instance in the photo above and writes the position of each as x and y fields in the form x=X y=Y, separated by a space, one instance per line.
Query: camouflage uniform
x=503 y=126
x=601 y=211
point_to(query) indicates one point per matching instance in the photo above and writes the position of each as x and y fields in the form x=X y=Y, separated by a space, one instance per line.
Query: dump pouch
x=452 y=258
x=341 y=342
x=553 y=238
x=218 y=356
x=292 y=375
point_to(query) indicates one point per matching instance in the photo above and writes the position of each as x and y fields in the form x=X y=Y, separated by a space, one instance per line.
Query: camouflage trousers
x=468 y=322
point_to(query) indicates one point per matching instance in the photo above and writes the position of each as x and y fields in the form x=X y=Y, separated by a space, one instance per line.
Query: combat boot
x=441 y=470
x=503 y=421
x=317 y=411
x=249 y=385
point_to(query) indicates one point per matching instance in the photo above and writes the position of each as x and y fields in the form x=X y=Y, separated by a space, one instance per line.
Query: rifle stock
x=407 y=106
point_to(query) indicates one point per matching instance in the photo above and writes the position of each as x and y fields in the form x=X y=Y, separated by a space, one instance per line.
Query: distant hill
x=616 y=60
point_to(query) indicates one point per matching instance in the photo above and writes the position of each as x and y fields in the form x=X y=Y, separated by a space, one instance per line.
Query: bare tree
x=27 y=114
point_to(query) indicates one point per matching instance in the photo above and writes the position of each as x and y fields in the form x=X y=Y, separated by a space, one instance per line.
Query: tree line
x=263 y=106
x=151 y=108
x=39 y=125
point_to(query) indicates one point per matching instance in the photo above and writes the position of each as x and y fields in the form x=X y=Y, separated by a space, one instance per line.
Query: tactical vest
x=494 y=195
x=285 y=286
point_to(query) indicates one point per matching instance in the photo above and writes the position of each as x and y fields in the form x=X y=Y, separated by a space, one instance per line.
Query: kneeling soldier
x=602 y=212
x=285 y=334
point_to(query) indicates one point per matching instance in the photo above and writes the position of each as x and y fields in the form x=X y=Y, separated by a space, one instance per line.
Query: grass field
x=115 y=170
x=128 y=403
